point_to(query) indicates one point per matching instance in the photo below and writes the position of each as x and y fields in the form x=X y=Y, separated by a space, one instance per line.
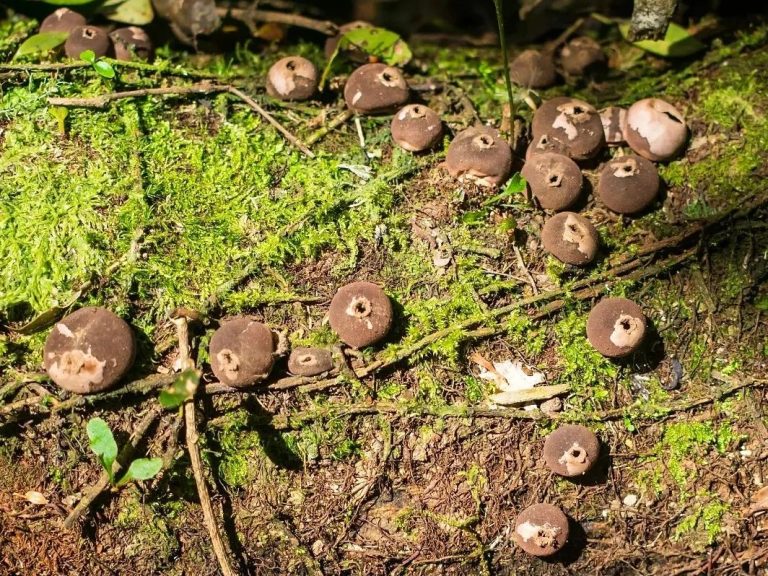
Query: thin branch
x=251 y=16
x=330 y=126
x=125 y=456
x=130 y=65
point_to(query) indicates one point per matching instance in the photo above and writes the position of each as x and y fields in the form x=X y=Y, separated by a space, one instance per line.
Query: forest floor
x=195 y=201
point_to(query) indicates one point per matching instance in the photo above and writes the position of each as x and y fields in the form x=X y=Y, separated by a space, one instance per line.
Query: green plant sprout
x=103 y=444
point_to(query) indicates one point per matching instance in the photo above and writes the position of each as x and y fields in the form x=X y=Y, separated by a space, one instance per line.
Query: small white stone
x=630 y=500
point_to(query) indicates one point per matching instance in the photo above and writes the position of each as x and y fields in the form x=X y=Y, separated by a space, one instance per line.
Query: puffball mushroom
x=545 y=143
x=131 y=43
x=541 y=530
x=533 y=69
x=89 y=350
x=481 y=155
x=573 y=122
x=571 y=450
x=628 y=184
x=416 y=128
x=570 y=238
x=554 y=179
x=613 y=119
x=85 y=38
x=361 y=314
x=616 y=327
x=376 y=89
x=242 y=352
x=309 y=361
x=62 y=20
x=655 y=129
x=581 y=56
x=292 y=78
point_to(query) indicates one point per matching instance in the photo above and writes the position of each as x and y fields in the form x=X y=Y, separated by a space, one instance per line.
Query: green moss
x=701 y=527
x=148 y=534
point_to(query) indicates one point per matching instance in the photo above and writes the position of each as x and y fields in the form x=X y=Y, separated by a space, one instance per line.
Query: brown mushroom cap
x=571 y=450
x=655 y=129
x=356 y=55
x=533 y=69
x=616 y=327
x=573 y=122
x=554 y=179
x=85 y=38
x=292 y=78
x=416 y=127
x=376 y=88
x=628 y=184
x=62 y=20
x=242 y=352
x=613 y=119
x=479 y=154
x=570 y=238
x=309 y=361
x=361 y=314
x=131 y=43
x=581 y=56
x=541 y=529
x=545 y=143
x=89 y=350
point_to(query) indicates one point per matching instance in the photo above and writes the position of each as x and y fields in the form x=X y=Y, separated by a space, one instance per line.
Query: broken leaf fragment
x=677 y=42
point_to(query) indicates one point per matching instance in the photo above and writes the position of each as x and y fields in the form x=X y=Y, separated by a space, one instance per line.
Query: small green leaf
x=474 y=217
x=677 y=42
x=39 y=43
x=182 y=389
x=104 y=69
x=103 y=444
x=88 y=56
x=141 y=469
x=136 y=12
x=516 y=185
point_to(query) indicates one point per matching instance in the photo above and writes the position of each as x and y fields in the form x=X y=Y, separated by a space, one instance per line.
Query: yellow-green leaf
x=677 y=42
x=136 y=12
x=39 y=43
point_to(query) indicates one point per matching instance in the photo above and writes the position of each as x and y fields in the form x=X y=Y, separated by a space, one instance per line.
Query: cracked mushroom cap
x=570 y=238
x=573 y=122
x=356 y=55
x=85 y=38
x=613 y=119
x=655 y=129
x=581 y=56
x=416 y=128
x=554 y=179
x=62 y=20
x=242 y=352
x=616 y=327
x=361 y=314
x=541 y=530
x=571 y=450
x=533 y=69
x=545 y=143
x=628 y=184
x=131 y=43
x=89 y=350
x=376 y=89
x=479 y=154
x=310 y=361
x=292 y=78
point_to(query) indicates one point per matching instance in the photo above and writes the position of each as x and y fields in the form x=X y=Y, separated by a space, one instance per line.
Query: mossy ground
x=200 y=200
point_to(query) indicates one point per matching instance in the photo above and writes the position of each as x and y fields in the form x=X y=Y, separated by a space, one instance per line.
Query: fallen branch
x=125 y=456
x=100 y=102
x=251 y=16
x=330 y=126
x=129 y=65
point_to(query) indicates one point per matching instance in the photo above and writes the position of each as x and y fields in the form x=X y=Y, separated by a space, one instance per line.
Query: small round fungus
x=292 y=78
x=242 y=352
x=570 y=238
x=62 y=20
x=616 y=327
x=309 y=361
x=545 y=143
x=582 y=56
x=85 y=38
x=571 y=450
x=354 y=54
x=613 y=119
x=132 y=43
x=376 y=89
x=554 y=179
x=573 y=122
x=481 y=155
x=655 y=129
x=533 y=69
x=89 y=350
x=628 y=184
x=416 y=128
x=361 y=314
x=541 y=530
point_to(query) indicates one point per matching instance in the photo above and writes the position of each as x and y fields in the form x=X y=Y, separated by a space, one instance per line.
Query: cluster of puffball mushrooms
x=92 y=349
x=127 y=43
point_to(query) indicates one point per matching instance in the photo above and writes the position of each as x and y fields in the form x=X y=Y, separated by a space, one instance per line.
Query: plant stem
x=505 y=56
